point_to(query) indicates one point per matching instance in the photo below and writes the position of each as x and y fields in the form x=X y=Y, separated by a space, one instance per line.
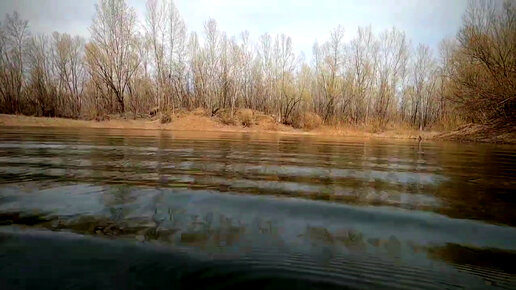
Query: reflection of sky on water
x=324 y=200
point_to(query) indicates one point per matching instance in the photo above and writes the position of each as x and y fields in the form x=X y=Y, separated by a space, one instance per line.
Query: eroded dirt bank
x=500 y=132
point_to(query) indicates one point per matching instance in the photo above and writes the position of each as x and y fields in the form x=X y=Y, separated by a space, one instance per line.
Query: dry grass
x=165 y=118
x=245 y=121
x=376 y=126
x=198 y=112
x=26 y=121
x=226 y=118
x=307 y=121
x=246 y=117
x=449 y=123
x=195 y=122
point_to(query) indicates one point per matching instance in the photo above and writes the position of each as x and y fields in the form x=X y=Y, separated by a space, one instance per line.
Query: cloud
x=304 y=20
x=53 y=15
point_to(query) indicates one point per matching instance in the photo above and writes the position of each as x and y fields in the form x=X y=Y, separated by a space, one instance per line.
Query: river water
x=152 y=209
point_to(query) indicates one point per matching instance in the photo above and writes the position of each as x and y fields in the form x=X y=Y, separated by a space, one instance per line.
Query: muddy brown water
x=150 y=209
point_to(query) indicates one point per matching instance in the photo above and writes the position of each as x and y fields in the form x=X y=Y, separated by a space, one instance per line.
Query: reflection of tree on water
x=221 y=233
x=352 y=240
x=176 y=226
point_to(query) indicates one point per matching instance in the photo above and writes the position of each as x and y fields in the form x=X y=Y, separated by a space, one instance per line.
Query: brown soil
x=498 y=132
x=199 y=120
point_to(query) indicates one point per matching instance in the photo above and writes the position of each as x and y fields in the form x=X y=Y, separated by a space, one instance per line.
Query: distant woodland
x=138 y=66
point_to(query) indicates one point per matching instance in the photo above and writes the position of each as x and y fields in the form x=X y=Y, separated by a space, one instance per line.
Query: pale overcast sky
x=304 y=20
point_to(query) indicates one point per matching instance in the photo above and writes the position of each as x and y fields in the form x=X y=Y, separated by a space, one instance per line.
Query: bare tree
x=67 y=59
x=112 y=52
x=330 y=62
x=285 y=64
x=167 y=32
x=156 y=30
x=423 y=81
x=373 y=79
x=362 y=67
x=392 y=66
x=266 y=72
x=14 y=37
x=484 y=65
x=41 y=84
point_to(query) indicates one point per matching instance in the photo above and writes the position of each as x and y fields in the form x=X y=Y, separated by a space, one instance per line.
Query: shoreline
x=193 y=122
x=196 y=122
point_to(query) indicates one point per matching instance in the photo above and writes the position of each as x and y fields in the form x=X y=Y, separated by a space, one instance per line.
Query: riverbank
x=196 y=121
x=497 y=132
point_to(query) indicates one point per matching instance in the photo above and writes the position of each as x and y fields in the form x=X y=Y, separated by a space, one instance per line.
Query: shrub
x=154 y=111
x=201 y=112
x=101 y=117
x=165 y=118
x=308 y=121
x=226 y=118
x=377 y=126
x=312 y=121
x=246 y=117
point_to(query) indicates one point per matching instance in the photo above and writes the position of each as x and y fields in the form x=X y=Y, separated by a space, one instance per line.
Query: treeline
x=138 y=66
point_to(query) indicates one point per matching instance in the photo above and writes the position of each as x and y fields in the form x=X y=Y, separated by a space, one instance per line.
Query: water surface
x=253 y=209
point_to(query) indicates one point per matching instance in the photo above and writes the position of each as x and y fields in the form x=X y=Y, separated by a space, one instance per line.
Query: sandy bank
x=196 y=122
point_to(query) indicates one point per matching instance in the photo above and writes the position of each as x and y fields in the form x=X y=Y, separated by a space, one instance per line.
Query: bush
x=154 y=111
x=308 y=121
x=101 y=117
x=246 y=117
x=165 y=118
x=226 y=118
x=377 y=126
x=201 y=112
